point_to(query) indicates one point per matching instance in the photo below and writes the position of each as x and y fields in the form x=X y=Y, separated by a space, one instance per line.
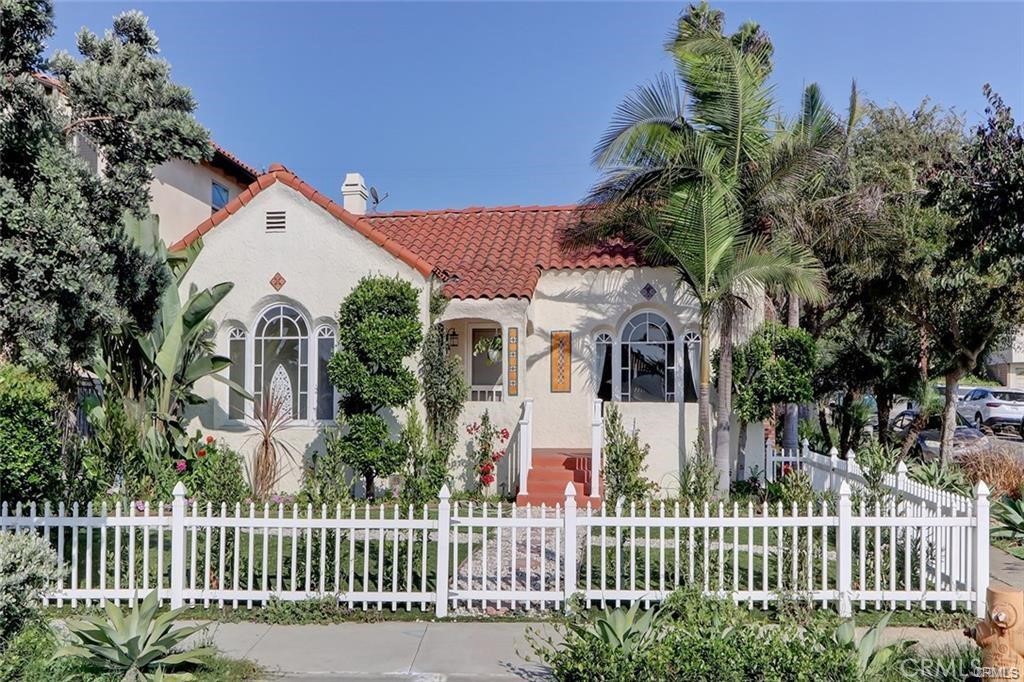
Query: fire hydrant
x=1001 y=636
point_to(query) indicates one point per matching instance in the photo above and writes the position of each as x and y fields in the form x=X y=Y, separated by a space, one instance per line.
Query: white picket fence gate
x=925 y=549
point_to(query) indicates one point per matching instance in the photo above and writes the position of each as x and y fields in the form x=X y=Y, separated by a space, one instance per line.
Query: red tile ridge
x=413 y=213
x=277 y=172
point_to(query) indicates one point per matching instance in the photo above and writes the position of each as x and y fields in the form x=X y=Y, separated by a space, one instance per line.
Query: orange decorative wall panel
x=513 y=360
x=561 y=362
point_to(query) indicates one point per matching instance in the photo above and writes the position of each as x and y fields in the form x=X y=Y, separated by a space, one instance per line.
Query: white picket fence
x=916 y=551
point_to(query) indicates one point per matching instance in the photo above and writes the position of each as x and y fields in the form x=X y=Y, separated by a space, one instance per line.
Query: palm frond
x=648 y=119
x=780 y=264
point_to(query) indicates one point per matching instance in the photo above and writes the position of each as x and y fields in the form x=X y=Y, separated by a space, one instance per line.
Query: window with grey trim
x=281 y=362
x=648 y=360
x=236 y=373
x=326 y=400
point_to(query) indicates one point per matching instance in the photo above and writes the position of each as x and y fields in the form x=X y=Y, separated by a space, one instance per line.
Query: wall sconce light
x=453 y=338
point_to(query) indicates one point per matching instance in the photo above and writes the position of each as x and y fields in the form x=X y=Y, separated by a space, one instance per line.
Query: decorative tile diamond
x=648 y=291
x=278 y=281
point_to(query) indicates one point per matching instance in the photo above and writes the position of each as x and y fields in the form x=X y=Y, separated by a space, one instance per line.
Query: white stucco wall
x=321 y=260
x=181 y=193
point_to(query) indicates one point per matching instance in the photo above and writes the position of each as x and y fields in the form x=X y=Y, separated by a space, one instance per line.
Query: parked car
x=965 y=436
x=1001 y=409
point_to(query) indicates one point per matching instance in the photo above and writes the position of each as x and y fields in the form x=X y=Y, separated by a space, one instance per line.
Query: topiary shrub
x=378 y=329
x=27 y=567
x=30 y=463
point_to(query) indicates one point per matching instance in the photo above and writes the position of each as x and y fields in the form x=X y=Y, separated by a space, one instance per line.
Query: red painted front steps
x=552 y=469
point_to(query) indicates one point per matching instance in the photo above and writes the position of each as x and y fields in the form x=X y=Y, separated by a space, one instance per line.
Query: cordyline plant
x=272 y=419
x=139 y=646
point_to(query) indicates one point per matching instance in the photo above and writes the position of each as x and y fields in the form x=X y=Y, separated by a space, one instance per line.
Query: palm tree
x=699 y=231
x=719 y=139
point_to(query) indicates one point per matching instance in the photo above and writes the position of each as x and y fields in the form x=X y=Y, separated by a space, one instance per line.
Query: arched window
x=648 y=360
x=603 y=359
x=281 y=363
x=691 y=367
x=326 y=398
x=236 y=373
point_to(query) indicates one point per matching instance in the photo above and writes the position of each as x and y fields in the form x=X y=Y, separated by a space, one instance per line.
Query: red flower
x=496 y=456
x=487 y=479
x=209 y=440
x=504 y=434
x=201 y=452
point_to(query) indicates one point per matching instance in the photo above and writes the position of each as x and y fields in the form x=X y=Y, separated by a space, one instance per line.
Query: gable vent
x=275 y=221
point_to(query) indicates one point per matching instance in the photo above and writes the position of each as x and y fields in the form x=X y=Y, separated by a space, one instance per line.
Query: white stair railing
x=596 y=445
x=525 y=444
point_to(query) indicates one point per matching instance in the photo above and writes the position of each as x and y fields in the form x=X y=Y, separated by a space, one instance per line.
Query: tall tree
x=656 y=146
x=700 y=233
x=68 y=271
x=980 y=279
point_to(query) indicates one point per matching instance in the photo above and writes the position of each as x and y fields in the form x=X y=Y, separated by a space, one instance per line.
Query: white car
x=997 y=408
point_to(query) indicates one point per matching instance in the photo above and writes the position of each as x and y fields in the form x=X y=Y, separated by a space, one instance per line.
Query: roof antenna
x=377 y=199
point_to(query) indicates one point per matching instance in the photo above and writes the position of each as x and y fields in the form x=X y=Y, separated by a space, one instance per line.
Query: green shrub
x=794 y=487
x=695 y=639
x=624 y=458
x=214 y=473
x=27 y=567
x=28 y=656
x=325 y=478
x=30 y=463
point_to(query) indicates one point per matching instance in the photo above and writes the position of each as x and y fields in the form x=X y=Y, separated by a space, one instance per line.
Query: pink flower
x=180 y=465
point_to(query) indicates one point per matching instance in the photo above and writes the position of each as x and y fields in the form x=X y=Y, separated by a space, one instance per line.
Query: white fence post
x=596 y=445
x=844 y=552
x=981 y=547
x=851 y=462
x=569 y=546
x=525 y=444
x=177 y=546
x=444 y=527
x=901 y=476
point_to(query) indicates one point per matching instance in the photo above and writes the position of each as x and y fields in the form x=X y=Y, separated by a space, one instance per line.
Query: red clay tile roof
x=479 y=252
x=278 y=173
x=496 y=252
x=239 y=168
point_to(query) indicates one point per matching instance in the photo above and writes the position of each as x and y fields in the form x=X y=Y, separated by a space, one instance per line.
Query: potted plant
x=489 y=347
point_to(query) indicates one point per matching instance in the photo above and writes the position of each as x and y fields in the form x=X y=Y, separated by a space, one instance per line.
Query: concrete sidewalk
x=421 y=651
x=383 y=651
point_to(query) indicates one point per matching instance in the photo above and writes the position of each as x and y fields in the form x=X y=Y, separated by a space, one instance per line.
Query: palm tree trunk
x=790 y=437
x=704 y=394
x=723 y=433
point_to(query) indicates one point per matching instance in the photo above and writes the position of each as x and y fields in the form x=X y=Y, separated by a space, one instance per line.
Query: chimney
x=353 y=193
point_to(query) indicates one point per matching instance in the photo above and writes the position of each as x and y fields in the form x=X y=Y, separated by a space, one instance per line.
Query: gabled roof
x=478 y=252
x=278 y=173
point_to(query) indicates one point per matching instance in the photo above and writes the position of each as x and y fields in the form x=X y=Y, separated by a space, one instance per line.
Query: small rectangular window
x=275 y=221
x=218 y=197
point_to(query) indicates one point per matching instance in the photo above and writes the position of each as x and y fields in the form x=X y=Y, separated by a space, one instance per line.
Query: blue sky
x=459 y=104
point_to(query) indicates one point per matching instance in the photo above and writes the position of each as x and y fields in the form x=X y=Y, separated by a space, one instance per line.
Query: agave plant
x=949 y=477
x=872 y=657
x=1009 y=513
x=622 y=630
x=139 y=646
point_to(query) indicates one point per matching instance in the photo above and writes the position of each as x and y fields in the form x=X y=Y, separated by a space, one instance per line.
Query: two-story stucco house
x=577 y=329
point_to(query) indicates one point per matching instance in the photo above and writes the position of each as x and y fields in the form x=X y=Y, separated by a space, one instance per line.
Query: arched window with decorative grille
x=647 y=360
x=281 y=361
x=691 y=367
x=326 y=397
x=236 y=373
x=603 y=361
